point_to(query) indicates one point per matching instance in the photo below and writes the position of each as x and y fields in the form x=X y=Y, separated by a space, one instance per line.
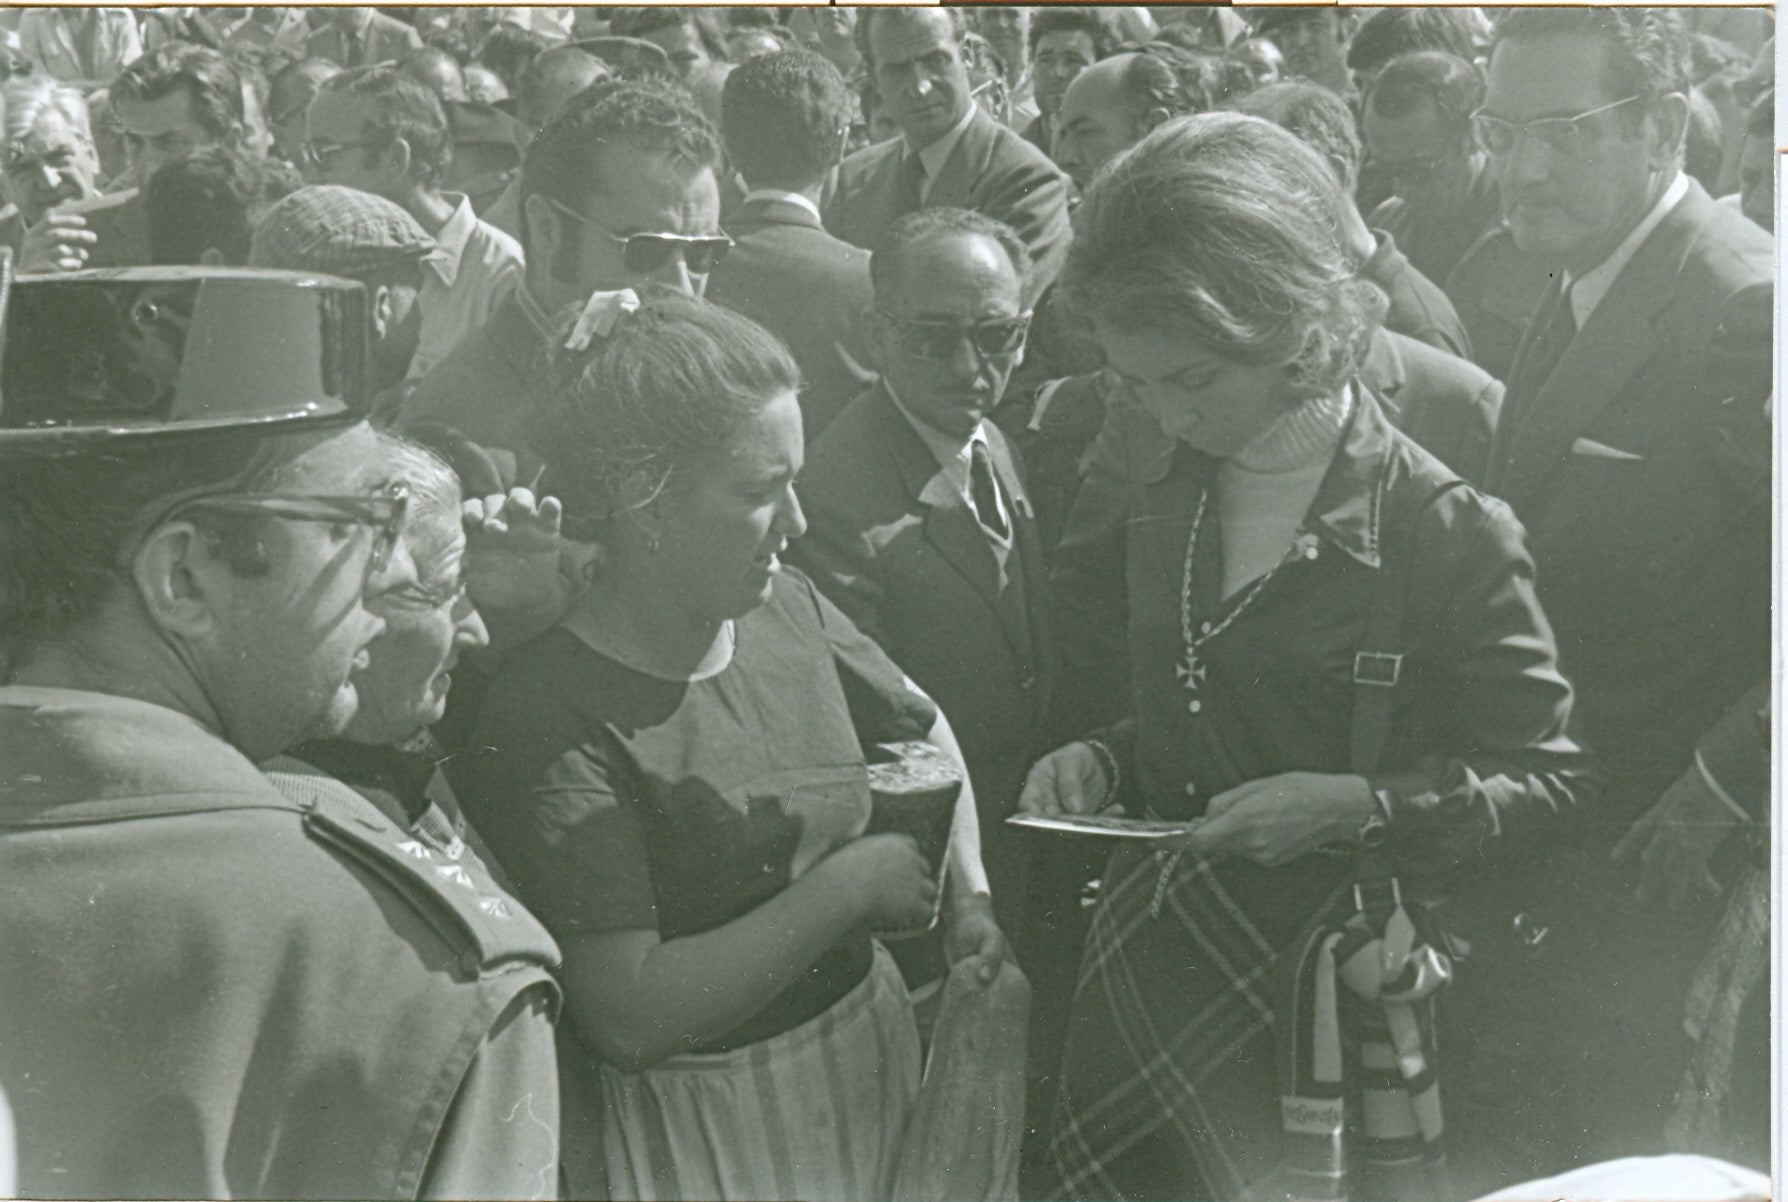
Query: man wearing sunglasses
x=619 y=191
x=1634 y=447
x=921 y=527
x=1417 y=127
x=211 y=990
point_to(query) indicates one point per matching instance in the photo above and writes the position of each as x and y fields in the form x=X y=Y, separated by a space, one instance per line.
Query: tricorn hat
x=92 y=360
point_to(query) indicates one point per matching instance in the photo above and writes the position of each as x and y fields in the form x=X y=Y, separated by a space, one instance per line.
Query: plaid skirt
x=1219 y=1007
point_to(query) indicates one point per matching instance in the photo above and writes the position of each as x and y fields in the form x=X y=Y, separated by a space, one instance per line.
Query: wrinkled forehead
x=350 y=462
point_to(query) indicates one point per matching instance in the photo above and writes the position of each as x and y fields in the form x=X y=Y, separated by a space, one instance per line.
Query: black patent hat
x=102 y=360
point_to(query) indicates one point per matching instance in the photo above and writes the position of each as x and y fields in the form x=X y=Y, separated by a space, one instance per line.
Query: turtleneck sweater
x=1264 y=491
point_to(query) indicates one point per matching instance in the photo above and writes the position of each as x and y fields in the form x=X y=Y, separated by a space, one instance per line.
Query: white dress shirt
x=793 y=198
x=934 y=156
x=477 y=267
x=1588 y=289
x=953 y=454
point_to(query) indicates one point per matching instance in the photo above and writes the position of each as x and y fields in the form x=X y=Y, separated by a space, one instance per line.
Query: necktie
x=984 y=490
x=1554 y=335
x=909 y=184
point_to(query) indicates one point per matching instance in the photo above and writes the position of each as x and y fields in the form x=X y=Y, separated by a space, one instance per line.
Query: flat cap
x=338 y=231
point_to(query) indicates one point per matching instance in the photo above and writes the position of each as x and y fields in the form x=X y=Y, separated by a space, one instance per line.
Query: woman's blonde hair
x=1229 y=230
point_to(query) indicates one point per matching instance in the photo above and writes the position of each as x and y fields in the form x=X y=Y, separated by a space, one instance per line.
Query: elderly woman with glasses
x=1329 y=679
x=675 y=778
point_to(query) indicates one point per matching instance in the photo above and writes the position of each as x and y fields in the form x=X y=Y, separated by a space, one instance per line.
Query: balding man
x=436 y=70
x=550 y=79
x=950 y=153
x=1111 y=105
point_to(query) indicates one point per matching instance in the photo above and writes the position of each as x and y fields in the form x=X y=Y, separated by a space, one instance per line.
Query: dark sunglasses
x=939 y=339
x=322 y=155
x=643 y=254
x=382 y=512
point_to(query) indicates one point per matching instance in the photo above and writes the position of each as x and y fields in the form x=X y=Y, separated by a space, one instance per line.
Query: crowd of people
x=536 y=490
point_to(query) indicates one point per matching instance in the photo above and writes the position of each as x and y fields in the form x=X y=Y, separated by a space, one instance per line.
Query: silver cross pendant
x=1190 y=673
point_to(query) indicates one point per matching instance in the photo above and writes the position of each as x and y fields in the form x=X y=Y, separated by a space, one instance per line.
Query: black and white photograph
x=888 y=603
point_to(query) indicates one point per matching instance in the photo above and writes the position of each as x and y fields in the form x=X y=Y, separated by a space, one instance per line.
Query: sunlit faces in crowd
x=1576 y=160
x=48 y=158
x=1099 y=119
x=156 y=132
x=1060 y=56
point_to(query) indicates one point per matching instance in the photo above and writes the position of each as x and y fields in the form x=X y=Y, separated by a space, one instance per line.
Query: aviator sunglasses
x=924 y=339
x=646 y=253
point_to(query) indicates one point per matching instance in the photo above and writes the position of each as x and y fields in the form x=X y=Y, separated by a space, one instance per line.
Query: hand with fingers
x=972 y=932
x=512 y=551
x=58 y=242
x=1277 y=819
x=891 y=880
x=1674 y=840
x=1069 y=780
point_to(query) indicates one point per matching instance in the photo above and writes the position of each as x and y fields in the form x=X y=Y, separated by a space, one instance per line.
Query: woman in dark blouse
x=674 y=777
x=1248 y=520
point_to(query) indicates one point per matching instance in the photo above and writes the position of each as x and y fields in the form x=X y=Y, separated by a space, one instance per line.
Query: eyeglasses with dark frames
x=928 y=339
x=1559 y=135
x=646 y=253
x=382 y=512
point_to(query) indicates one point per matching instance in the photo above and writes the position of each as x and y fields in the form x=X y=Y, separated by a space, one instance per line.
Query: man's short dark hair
x=1393 y=32
x=866 y=17
x=208 y=77
x=783 y=118
x=400 y=106
x=1089 y=21
x=638 y=22
x=884 y=262
x=1452 y=85
x=508 y=48
x=1647 y=48
x=565 y=164
x=211 y=199
x=1316 y=116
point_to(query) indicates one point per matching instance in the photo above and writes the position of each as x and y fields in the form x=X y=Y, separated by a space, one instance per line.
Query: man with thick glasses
x=210 y=990
x=1634 y=446
x=921 y=528
x=619 y=191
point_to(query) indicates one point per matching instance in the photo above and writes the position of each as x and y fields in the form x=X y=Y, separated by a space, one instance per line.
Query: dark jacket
x=1496 y=291
x=789 y=275
x=992 y=170
x=212 y=989
x=1641 y=469
x=1448 y=406
x=489 y=389
x=1480 y=738
x=968 y=623
x=1418 y=308
x=1436 y=243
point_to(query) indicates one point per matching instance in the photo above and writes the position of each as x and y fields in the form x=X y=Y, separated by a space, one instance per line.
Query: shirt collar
x=934 y=156
x=1588 y=289
x=950 y=452
x=776 y=194
x=451 y=238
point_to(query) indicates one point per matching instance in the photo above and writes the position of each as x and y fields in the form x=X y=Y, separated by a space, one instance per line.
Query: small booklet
x=1110 y=826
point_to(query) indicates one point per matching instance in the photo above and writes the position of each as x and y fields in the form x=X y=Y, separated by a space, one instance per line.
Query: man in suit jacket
x=1634 y=446
x=920 y=526
x=784 y=120
x=949 y=153
x=358 y=37
x=80 y=45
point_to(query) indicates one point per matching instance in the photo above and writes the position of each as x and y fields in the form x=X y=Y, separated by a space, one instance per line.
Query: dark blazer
x=925 y=583
x=1418 y=308
x=1448 y=406
x=992 y=170
x=1496 y=290
x=489 y=389
x=789 y=275
x=385 y=38
x=1641 y=469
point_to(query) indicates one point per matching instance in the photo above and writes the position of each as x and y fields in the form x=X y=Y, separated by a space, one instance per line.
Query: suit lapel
x=958 y=174
x=1024 y=562
x=1619 y=339
x=950 y=526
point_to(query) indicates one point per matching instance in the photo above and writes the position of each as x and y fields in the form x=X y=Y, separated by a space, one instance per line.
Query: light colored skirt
x=817 y=1112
